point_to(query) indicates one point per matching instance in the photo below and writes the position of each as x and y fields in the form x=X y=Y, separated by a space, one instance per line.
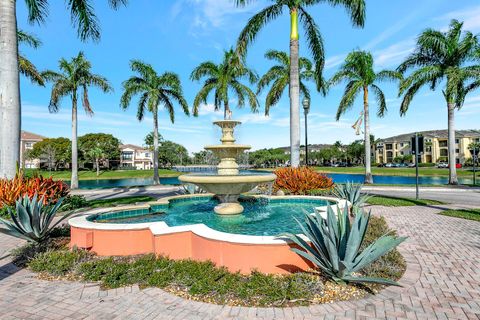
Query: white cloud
x=393 y=54
x=469 y=16
x=206 y=109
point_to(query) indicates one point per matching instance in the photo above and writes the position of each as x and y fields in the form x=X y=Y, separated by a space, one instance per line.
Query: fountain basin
x=184 y=227
x=228 y=188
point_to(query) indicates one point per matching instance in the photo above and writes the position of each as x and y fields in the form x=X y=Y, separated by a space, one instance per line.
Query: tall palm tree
x=154 y=90
x=224 y=78
x=358 y=71
x=74 y=76
x=442 y=57
x=25 y=66
x=280 y=76
x=85 y=21
x=298 y=9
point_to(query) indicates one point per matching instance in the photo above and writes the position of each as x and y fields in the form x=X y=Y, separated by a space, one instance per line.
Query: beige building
x=435 y=146
x=27 y=140
x=132 y=156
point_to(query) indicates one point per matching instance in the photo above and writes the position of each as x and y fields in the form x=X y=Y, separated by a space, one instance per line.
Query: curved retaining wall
x=198 y=242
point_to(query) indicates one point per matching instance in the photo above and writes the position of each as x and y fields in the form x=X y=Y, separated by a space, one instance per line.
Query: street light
x=306 y=108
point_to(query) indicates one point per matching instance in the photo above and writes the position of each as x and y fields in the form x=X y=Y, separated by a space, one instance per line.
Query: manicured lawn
x=400 y=202
x=396 y=171
x=470 y=214
x=113 y=174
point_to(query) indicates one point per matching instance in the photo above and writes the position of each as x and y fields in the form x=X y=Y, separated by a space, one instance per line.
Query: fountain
x=229 y=182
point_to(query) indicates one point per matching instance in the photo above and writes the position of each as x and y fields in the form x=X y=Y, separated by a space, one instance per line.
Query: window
x=147 y=155
x=28 y=145
x=457 y=150
x=442 y=143
x=401 y=153
x=401 y=145
x=389 y=146
x=127 y=155
x=428 y=149
x=443 y=152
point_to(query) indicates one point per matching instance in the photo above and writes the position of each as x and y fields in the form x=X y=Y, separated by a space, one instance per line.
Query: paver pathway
x=442 y=282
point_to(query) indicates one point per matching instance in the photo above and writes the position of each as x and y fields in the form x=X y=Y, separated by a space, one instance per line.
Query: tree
x=149 y=140
x=95 y=147
x=74 y=75
x=154 y=90
x=223 y=79
x=84 y=20
x=297 y=9
x=280 y=76
x=171 y=153
x=442 y=57
x=26 y=67
x=358 y=71
x=54 y=151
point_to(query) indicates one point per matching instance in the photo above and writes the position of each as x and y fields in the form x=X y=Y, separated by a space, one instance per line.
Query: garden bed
x=203 y=281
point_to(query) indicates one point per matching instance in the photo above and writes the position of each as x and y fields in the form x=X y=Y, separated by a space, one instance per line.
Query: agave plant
x=31 y=219
x=352 y=193
x=335 y=246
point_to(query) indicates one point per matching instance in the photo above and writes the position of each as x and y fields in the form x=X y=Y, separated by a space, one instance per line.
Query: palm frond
x=84 y=19
x=28 y=69
x=28 y=39
x=380 y=99
x=315 y=44
x=351 y=91
x=37 y=10
x=255 y=24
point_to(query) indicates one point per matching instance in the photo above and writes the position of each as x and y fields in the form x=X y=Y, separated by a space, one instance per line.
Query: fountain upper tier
x=228 y=184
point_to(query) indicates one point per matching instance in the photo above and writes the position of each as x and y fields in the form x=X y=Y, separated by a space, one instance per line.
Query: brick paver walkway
x=442 y=282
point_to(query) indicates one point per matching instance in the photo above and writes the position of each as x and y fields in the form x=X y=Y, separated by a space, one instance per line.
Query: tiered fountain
x=229 y=182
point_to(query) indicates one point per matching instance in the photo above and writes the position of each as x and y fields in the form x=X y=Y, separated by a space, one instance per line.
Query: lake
x=337 y=178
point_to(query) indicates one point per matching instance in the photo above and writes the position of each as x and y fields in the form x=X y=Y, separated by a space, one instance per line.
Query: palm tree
x=84 y=19
x=442 y=56
x=74 y=75
x=280 y=76
x=358 y=71
x=154 y=90
x=25 y=66
x=298 y=9
x=223 y=79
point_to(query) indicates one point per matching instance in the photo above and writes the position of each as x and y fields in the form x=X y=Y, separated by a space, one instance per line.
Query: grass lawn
x=428 y=171
x=470 y=214
x=111 y=174
x=400 y=202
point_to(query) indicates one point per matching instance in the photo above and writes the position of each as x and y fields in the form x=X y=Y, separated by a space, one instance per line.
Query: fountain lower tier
x=228 y=188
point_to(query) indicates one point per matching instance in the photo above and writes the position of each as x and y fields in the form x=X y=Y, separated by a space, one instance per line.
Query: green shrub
x=426 y=164
x=74 y=202
x=57 y=263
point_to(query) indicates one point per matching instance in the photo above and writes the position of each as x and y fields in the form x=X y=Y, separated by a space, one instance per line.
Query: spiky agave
x=32 y=219
x=352 y=192
x=335 y=245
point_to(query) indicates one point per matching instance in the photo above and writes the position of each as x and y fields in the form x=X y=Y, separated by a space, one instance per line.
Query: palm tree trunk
x=10 y=109
x=156 y=179
x=452 y=177
x=294 y=90
x=74 y=179
x=226 y=111
x=368 y=169
x=97 y=163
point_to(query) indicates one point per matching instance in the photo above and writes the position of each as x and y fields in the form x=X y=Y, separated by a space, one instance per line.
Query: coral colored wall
x=266 y=258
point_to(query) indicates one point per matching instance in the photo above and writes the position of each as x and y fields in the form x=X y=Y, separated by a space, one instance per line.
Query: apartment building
x=435 y=146
x=27 y=140
x=135 y=157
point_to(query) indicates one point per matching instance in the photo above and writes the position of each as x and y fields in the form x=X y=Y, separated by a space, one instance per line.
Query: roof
x=31 y=136
x=132 y=146
x=442 y=134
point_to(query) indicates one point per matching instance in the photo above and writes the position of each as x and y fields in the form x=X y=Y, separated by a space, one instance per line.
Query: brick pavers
x=442 y=281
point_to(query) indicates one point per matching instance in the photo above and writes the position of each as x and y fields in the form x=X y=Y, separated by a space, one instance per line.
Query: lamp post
x=306 y=108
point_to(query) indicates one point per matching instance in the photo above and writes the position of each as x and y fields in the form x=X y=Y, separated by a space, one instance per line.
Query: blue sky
x=178 y=35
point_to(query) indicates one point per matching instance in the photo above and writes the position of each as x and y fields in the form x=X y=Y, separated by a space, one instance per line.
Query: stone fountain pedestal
x=228 y=183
